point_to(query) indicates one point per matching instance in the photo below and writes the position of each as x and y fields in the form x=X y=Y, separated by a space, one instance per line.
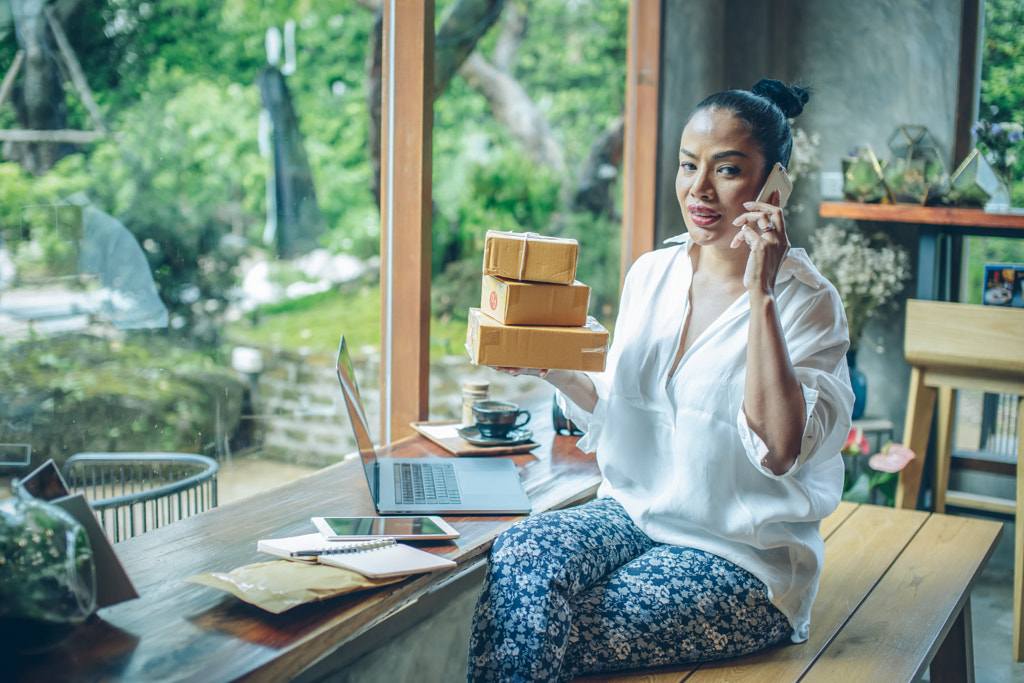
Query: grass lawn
x=316 y=321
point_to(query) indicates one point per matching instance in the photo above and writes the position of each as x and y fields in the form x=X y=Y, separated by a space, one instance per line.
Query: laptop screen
x=360 y=425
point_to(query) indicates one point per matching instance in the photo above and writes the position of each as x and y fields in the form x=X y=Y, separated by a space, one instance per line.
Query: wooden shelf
x=922 y=215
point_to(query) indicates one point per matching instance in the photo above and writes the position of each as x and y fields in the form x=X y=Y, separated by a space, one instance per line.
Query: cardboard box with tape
x=529 y=256
x=536 y=346
x=532 y=303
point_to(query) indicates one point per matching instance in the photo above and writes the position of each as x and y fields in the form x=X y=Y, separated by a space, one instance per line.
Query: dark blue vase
x=859 y=382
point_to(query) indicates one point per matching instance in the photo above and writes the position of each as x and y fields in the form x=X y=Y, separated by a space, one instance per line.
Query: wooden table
x=178 y=631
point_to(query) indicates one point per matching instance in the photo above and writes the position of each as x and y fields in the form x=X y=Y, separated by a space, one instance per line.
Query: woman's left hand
x=763 y=228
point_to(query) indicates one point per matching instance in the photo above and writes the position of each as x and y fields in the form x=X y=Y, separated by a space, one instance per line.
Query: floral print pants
x=583 y=590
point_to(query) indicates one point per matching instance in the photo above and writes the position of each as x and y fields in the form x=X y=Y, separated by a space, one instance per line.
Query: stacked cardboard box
x=533 y=311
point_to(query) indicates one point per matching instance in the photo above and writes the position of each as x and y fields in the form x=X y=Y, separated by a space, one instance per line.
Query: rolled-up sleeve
x=829 y=404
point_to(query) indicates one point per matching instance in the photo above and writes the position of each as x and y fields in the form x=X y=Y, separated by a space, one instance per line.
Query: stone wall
x=297 y=408
x=299 y=417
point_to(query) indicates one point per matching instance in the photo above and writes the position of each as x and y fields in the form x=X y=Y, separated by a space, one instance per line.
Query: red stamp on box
x=493 y=301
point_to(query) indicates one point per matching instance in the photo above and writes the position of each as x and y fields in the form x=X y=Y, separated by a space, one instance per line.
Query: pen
x=356 y=547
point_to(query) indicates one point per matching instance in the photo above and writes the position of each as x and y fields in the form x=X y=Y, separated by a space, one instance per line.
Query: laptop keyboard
x=426 y=483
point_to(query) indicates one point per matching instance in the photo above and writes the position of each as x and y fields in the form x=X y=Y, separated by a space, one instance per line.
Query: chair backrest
x=132 y=493
x=962 y=336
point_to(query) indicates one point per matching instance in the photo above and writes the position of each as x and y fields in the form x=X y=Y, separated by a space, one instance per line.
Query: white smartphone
x=402 y=528
x=779 y=180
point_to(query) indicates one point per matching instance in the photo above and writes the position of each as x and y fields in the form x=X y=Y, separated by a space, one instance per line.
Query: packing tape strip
x=522 y=259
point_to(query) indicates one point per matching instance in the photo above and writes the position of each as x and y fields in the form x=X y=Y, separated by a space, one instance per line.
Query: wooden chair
x=953 y=346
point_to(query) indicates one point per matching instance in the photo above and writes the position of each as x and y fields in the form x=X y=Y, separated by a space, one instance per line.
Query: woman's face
x=720 y=167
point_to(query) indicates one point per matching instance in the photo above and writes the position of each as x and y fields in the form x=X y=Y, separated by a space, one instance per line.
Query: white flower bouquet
x=869 y=273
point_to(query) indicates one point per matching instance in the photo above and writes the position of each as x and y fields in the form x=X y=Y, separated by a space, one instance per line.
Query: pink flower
x=893 y=458
x=856 y=443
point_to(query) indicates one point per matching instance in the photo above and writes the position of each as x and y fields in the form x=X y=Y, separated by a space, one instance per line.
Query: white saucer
x=516 y=436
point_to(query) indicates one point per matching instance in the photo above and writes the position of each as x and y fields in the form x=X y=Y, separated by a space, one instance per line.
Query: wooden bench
x=894 y=600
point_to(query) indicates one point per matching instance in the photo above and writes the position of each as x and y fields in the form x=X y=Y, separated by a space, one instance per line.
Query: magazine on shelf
x=1004 y=285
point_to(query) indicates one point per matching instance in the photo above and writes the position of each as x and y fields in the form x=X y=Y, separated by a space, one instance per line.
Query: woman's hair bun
x=790 y=100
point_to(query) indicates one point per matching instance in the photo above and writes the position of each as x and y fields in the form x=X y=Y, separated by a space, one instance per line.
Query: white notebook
x=374 y=558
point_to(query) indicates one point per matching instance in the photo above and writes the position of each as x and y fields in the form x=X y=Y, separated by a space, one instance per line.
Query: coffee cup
x=495 y=419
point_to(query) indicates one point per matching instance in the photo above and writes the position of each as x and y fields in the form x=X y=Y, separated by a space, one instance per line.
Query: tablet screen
x=384 y=526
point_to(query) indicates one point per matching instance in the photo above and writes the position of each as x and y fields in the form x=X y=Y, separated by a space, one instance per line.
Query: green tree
x=1002 y=62
x=175 y=81
x=1002 y=70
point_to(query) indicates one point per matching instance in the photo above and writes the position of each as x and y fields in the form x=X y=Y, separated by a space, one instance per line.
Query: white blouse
x=677 y=452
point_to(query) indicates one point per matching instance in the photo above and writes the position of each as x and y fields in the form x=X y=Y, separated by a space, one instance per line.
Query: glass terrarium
x=863 y=179
x=974 y=183
x=915 y=174
x=49 y=577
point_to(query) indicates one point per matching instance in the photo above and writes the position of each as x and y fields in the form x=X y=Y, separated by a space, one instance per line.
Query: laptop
x=433 y=486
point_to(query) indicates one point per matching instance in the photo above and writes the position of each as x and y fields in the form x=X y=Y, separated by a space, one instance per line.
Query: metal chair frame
x=132 y=493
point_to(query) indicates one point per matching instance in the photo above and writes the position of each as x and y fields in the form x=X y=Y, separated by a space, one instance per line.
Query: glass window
x=527 y=138
x=188 y=215
x=985 y=423
x=187 y=223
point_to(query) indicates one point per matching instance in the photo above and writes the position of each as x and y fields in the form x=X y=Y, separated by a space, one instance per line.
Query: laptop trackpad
x=473 y=481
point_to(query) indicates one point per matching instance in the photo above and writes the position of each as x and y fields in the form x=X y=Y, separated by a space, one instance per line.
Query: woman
x=717 y=425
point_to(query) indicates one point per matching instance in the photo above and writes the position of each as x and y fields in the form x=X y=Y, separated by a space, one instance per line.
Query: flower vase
x=859 y=382
x=1006 y=187
x=1002 y=200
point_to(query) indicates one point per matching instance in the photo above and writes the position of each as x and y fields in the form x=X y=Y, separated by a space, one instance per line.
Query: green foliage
x=77 y=390
x=176 y=81
x=186 y=180
x=315 y=321
x=180 y=179
x=40 y=235
x=599 y=261
x=508 y=192
x=1002 y=71
x=1002 y=87
x=457 y=289
x=573 y=63
x=859 y=487
x=1003 y=57
x=23 y=197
